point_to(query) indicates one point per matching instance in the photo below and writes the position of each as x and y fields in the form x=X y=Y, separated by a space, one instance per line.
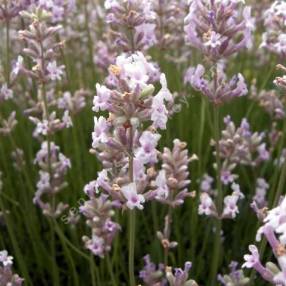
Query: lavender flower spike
x=218 y=90
x=7 y=277
x=219 y=28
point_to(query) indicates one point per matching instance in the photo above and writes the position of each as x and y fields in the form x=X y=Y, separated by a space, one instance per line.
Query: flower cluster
x=169 y=22
x=119 y=140
x=8 y=124
x=75 y=102
x=274 y=39
x=12 y=8
x=274 y=230
x=260 y=193
x=239 y=145
x=219 y=28
x=59 y=8
x=99 y=212
x=208 y=207
x=271 y=102
x=7 y=277
x=235 y=277
x=132 y=23
x=172 y=181
x=153 y=275
x=42 y=48
x=126 y=141
x=53 y=168
x=219 y=89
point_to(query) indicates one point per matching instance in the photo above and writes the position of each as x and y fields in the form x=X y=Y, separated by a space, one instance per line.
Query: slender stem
x=92 y=270
x=194 y=219
x=132 y=225
x=132 y=218
x=70 y=260
x=110 y=270
x=8 y=51
x=69 y=243
x=89 y=38
x=48 y=138
x=167 y=234
x=274 y=193
x=16 y=246
x=219 y=202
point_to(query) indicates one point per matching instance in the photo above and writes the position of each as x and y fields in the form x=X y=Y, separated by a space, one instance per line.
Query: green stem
x=110 y=270
x=8 y=51
x=132 y=217
x=194 y=219
x=17 y=250
x=219 y=202
x=70 y=260
x=92 y=271
x=132 y=225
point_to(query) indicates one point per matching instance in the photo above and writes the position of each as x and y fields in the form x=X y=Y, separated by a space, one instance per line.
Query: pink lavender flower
x=180 y=276
x=11 y=8
x=55 y=72
x=134 y=200
x=239 y=145
x=99 y=212
x=100 y=129
x=147 y=151
x=172 y=181
x=271 y=102
x=126 y=141
x=7 y=277
x=5 y=93
x=206 y=183
x=230 y=209
x=5 y=259
x=7 y=125
x=53 y=168
x=152 y=274
x=58 y=9
x=132 y=23
x=218 y=28
x=275 y=24
x=219 y=89
x=274 y=231
x=260 y=193
x=235 y=277
x=75 y=102
x=207 y=206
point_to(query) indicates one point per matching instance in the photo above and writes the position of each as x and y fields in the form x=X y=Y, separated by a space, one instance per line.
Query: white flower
x=251 y=259
x=100 y=101
x=134 y=200
x=99 y=133
x=214 y=40
x=230 y=206
x=162 y=190
x=5 y=92
x=206 y=204
x=17 y=66
x=5 y=259
x=55 y=72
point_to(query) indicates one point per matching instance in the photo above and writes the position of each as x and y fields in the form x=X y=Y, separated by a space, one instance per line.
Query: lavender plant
x=42 y=48
x=7 y=277
x=105 y=189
